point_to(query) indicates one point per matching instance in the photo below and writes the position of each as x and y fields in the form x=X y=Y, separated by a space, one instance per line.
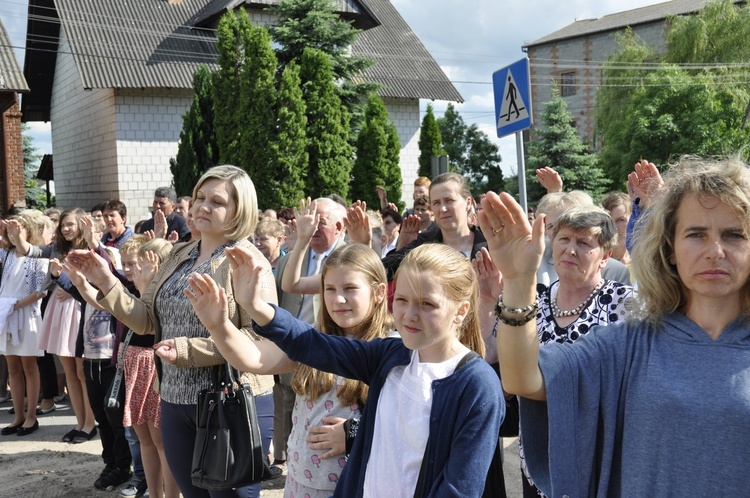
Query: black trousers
x=48 y=375
x=99 y=375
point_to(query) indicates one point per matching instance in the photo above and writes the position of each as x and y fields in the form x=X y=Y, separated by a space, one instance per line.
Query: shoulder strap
x=423 y=469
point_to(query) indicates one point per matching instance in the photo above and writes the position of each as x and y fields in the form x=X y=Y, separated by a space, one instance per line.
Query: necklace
x=558 y=313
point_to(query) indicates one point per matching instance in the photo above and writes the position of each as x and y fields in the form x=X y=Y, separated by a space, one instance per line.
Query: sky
x=470 y=39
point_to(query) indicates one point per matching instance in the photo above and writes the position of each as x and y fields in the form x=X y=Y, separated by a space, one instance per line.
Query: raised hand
x=357 y=224
x=92 y=266
x=209 y=301
x=307 y=219
x=167 y=351
x=515 y=246
x=550 y=179
x=290 y=234
x=55 y=267
x=646 y=182
x=488 y=276
x=409 y=230
x=160 y=224
x=75 y=276
x=174 y=237
x=383 y=196
x=150 y=234
x=149 y=263
x=246 y=270
x=90 y=234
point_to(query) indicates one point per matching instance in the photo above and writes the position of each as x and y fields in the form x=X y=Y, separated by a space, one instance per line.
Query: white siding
x=83 y=137
x=404 y=113
x=148 y=131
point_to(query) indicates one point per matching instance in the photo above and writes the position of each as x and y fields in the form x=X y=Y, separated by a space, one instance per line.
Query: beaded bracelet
x=517 y=322
x=501 y=307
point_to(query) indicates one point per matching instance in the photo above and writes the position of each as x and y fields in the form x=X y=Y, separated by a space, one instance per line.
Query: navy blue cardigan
x=467 y=406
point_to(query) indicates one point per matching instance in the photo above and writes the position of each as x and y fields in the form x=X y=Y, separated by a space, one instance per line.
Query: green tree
x=394 y=181
x=290 y=147
x=226 y=88
x=315 y=24
x=691 y=100
x=471 y=152
x=256 y=118
x=197 y=150
x=623 y=71
x=430 y=143
x=36 y=196
x=327 y=128
x=556 y=144
x=675 y=113
x=374 y=163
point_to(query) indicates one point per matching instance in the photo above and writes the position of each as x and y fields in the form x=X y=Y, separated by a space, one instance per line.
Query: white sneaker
x=133 y=489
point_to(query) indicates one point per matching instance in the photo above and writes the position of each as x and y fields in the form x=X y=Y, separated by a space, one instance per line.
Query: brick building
x=118 y=78
x=572 y=57
x=12 y=82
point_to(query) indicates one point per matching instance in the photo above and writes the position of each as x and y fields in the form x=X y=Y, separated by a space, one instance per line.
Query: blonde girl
x=353 y=307
x=432 y=420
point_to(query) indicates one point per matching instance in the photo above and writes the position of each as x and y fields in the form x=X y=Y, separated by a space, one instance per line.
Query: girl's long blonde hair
x=457 y=279
x=312 y=383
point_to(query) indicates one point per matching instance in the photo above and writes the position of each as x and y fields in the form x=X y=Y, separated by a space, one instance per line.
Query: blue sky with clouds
x=470 y=39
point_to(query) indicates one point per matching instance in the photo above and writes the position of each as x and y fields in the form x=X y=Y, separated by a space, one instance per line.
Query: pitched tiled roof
x=612 y=22
x=155 y=44
x=403 y=64
x=11 y=76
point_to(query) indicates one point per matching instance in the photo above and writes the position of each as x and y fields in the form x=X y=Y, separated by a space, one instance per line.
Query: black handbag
x=114 y=400
x=228 y=451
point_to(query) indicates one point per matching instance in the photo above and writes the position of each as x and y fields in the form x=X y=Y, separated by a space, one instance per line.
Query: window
x=568 y=84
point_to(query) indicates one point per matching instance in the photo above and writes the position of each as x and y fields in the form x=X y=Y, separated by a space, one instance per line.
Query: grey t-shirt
x=643 y=410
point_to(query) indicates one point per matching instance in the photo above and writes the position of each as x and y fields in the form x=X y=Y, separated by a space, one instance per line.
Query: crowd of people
x=389 y=351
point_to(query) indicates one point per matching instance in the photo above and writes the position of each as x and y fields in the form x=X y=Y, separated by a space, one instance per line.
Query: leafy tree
x=674 y=113
x=557 y=144
x=36 y=196
x=716 y=34
x=471 y=152
x=290 y=147
x=623 y=69
x=327 y=128
x=674 y=109
x=429 y=142
x=394 y=182
x=373 y=165
x=315 y=24
x=226 y=88
x=197 y=150
x=256 y=118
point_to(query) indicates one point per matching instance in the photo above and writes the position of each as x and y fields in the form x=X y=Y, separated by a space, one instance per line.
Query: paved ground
x=41 y=465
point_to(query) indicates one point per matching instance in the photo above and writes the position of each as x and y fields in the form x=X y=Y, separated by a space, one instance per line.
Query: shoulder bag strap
x=121 y=356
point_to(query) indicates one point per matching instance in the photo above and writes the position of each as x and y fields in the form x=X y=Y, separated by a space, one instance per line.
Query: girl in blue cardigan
x=432 y=420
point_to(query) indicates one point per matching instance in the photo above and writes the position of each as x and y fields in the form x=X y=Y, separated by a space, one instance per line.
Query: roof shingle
x=154 y=44
x=11 y=76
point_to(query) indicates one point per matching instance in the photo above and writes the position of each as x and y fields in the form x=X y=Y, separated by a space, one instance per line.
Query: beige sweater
x=140 y=316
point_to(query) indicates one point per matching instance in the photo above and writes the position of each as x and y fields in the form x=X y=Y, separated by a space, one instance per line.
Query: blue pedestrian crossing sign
x=512 y=88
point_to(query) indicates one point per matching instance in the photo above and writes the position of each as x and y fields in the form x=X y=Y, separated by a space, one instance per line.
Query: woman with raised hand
x=656 y=406
x=225 y=211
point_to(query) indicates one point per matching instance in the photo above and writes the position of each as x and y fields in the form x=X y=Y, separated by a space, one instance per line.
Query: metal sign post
x=512 y=89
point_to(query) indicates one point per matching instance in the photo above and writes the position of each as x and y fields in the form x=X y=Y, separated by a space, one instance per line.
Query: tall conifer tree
x=197 y=150
x=327 y=128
